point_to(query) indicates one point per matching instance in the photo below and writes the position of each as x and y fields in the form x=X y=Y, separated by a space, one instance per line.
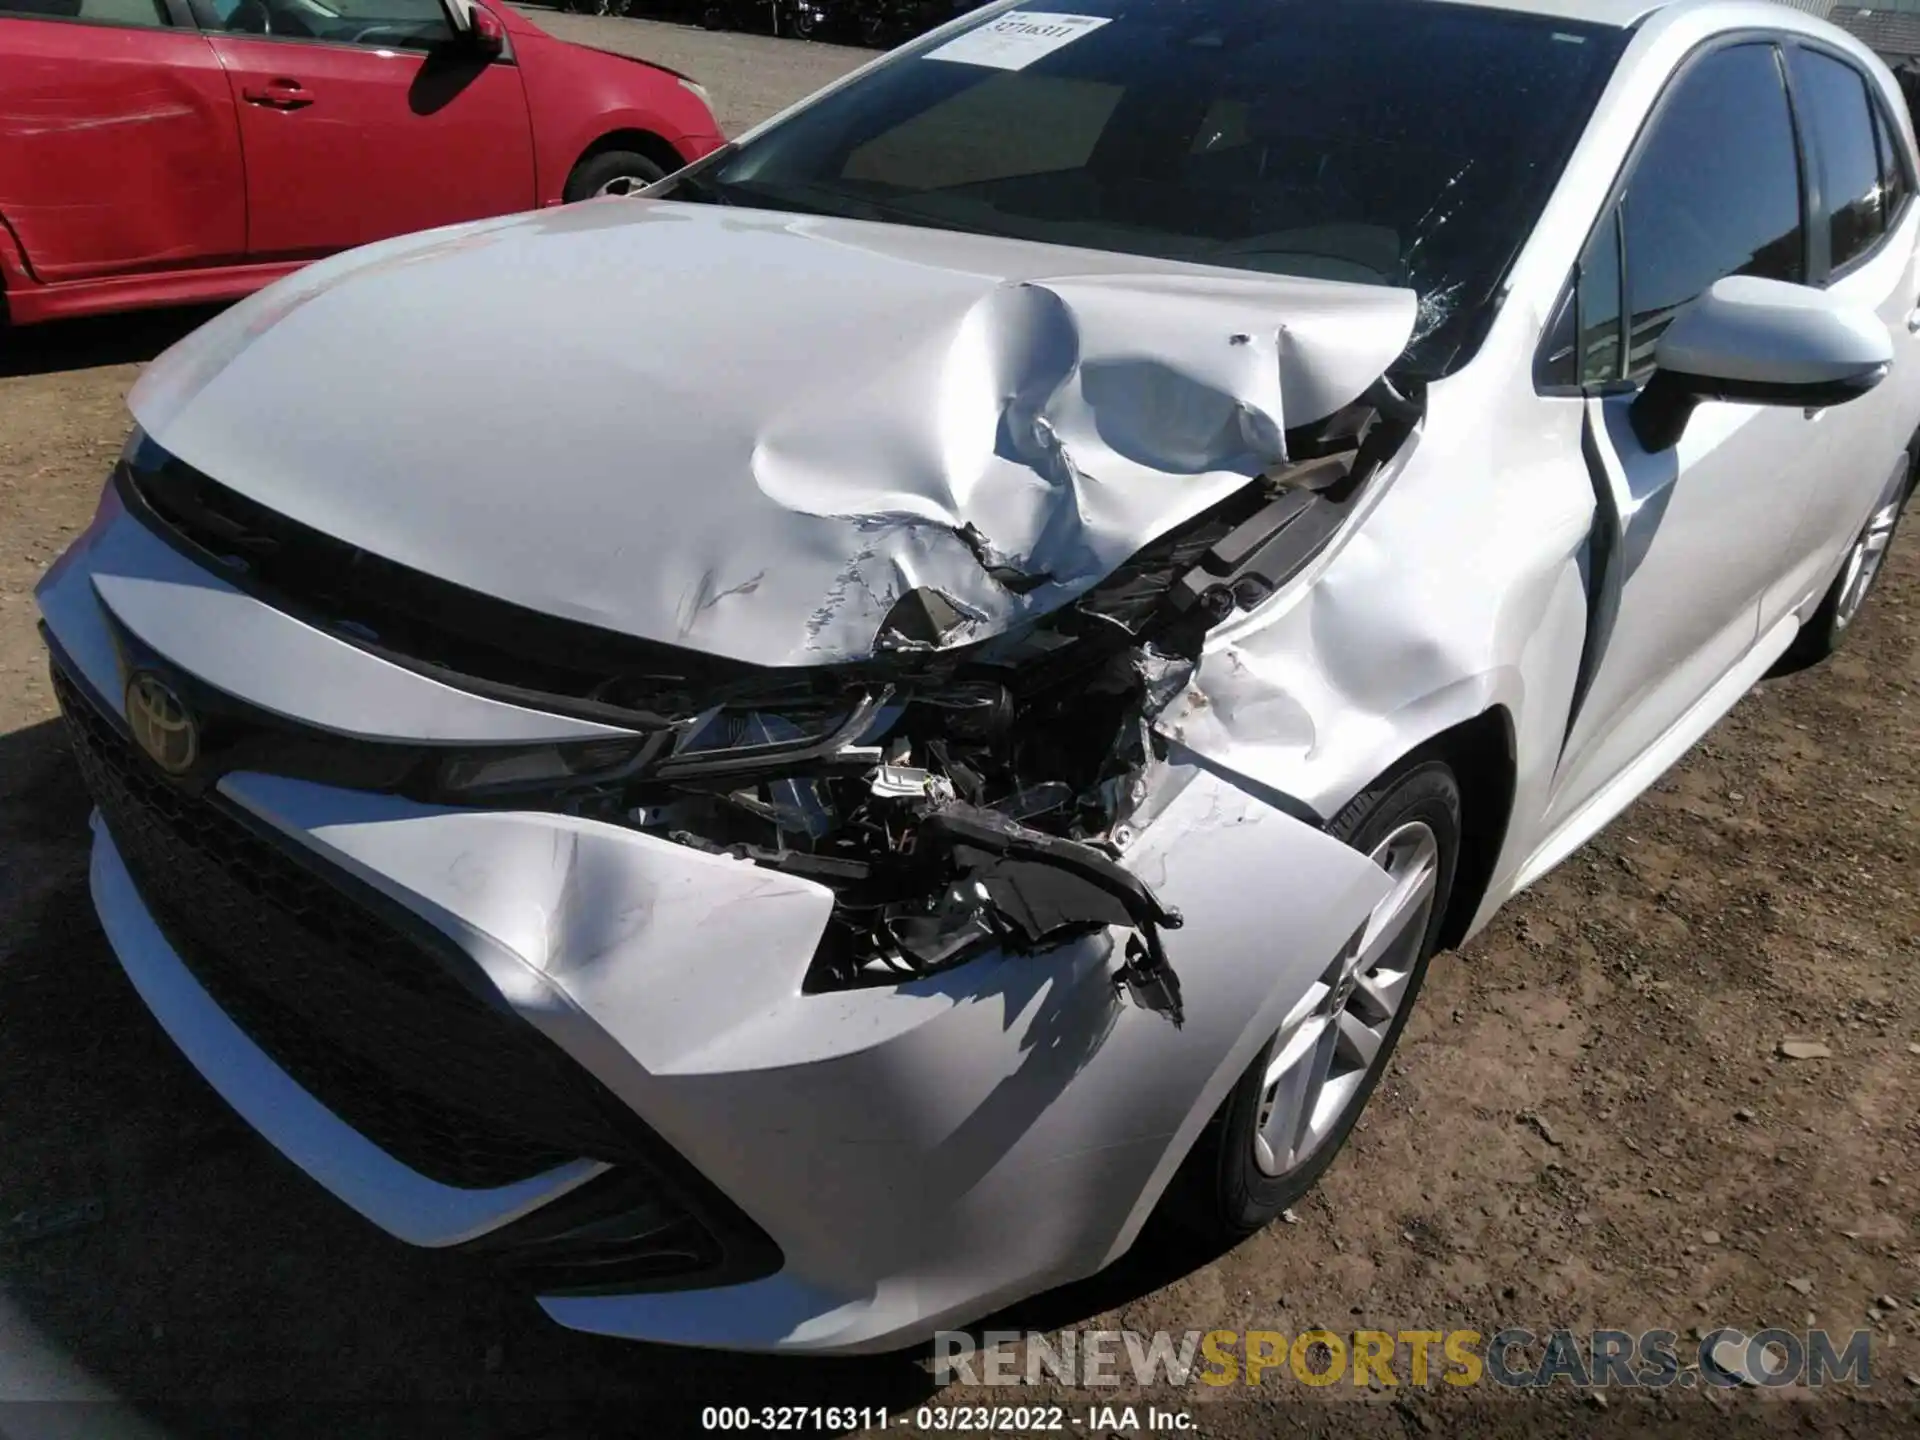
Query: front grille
x=364 y=1009
x=614 y=1235
x=474 y=640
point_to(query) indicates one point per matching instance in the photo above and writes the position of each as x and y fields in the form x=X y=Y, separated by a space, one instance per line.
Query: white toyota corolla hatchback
x=794 y=756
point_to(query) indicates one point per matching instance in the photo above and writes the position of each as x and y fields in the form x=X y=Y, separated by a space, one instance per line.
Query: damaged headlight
x=533 y=767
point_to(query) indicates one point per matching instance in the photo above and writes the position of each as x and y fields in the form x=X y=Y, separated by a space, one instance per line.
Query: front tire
x=611 y=172
x=1290 y=1112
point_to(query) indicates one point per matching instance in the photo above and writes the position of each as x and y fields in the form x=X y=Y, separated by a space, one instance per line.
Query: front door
x=366 y=118
x=1688 y=538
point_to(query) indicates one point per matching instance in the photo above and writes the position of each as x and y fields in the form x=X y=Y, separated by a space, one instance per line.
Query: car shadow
x=94 y=340
x=153 y=1248
x=443 y=77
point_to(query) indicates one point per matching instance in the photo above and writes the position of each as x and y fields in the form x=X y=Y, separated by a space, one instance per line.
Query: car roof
x=1624 y=13
x=1619 y=13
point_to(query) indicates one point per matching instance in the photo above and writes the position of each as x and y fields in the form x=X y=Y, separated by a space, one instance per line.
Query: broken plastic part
x=803 y=862
x=1262 y=554
x=1036 y=800
x=777 y=755
x=1041 y=888
x=901 y=782
x=994 y=834
x=954 y=927
x=1149 y=981
x=978 y=710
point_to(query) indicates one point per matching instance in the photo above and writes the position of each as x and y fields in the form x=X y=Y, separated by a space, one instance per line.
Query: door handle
x=277 y=95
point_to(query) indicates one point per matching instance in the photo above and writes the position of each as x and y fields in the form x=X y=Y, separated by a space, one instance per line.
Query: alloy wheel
x=1863 y=563
x=1322 y=1054
x=623 y=185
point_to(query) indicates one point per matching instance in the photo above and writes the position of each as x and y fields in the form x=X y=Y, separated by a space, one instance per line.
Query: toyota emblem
x=162 y=725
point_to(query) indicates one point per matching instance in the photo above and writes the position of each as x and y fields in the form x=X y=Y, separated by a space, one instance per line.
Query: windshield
x=1392 y=142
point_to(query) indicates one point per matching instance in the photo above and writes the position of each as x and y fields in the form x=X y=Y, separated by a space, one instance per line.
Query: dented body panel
x=1001 y=422
x=1387 y=646
x=119 y=151
x=880 y=1136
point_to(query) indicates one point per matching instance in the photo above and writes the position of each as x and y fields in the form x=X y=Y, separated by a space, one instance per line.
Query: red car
x=160 y=152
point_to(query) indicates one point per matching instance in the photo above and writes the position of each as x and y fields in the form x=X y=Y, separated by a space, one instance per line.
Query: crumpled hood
x=751 y=433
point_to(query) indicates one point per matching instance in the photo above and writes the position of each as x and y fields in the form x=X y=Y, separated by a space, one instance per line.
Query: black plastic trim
x=1664 y=406
x=547 y=633
x=607 y=1237
x=435 y=943
x=1601 y=573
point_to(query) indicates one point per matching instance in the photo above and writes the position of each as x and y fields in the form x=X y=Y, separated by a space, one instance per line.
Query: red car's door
x=365 y=118
x=119 y=152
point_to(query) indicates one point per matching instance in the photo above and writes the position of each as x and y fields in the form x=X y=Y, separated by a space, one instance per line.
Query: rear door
x=119 y=152
x=1864 y=228
x=362 y=119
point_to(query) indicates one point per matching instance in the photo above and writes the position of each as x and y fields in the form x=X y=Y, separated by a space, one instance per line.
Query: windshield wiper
x=694 y=179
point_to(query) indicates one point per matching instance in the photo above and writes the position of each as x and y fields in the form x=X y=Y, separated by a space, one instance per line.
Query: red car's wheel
x=611 y=172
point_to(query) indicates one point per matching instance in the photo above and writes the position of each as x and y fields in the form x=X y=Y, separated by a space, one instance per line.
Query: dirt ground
x=1588 y=1123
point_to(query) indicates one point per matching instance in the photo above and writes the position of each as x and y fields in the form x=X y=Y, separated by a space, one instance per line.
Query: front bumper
x=917 y=1155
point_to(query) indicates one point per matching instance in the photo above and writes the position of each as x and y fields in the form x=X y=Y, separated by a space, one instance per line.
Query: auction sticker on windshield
x=1016 y=39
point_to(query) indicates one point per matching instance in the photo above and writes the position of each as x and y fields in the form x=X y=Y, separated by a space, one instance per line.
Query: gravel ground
x=1588 y=1124
x=749 y=76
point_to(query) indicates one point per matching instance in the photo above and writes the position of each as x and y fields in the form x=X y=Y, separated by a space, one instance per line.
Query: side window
x=1839 y=113
x=383 y=24
x=149 y=13
x=1715 y=192
x=1599 y=302
x=1895 y=182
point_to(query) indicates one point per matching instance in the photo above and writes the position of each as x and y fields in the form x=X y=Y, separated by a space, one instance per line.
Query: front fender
x=919 y=1151
x=577 y=96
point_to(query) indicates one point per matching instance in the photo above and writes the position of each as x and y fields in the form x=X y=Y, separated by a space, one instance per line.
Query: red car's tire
x=611 y=172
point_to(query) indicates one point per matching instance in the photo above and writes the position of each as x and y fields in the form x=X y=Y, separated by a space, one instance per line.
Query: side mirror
x=1759 y=342
x=475 y=27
